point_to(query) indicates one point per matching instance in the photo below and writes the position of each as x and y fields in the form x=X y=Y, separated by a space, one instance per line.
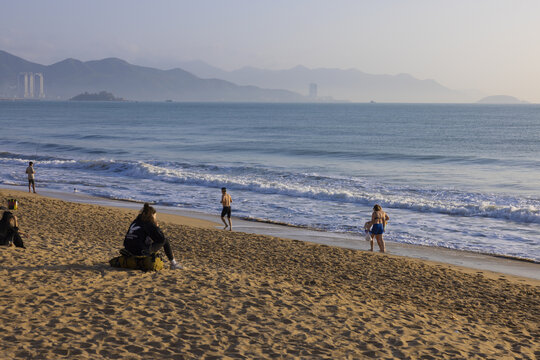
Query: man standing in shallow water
x=226 y=202
x=30 y=171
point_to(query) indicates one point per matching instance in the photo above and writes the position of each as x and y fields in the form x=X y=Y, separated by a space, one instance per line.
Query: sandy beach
x=243 y=296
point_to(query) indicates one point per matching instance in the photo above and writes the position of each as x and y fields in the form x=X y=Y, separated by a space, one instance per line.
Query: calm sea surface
x=456 y=176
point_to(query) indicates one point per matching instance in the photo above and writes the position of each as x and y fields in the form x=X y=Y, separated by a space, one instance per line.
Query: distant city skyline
x=485 y=45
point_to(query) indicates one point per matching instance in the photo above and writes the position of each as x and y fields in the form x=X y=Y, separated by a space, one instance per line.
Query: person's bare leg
x=380 y=242
x=33 y=187
x=371 y=242
x=230 y=224
x=223 y=219
x=29 y=187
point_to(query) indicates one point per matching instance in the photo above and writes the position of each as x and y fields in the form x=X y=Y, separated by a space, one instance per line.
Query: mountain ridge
x=69 y=77
x=347 y=84
x=199 y=81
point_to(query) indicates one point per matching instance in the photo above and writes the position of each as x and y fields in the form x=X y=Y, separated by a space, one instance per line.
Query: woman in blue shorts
x=378 y=222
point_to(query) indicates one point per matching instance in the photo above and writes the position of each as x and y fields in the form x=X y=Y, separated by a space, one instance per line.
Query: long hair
x=377 y=207
x=7 y=217
x=147 y=213
x=7 y=221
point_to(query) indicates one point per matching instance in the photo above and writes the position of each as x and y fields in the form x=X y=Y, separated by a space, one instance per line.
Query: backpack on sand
x=145 y=263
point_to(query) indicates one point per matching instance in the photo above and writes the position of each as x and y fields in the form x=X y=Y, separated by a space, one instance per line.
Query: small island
x=101 y=96
x=501 y=99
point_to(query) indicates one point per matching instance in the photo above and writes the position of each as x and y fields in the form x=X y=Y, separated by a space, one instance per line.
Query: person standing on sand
x=226 y=202
x=378 y=222
x=30 y=171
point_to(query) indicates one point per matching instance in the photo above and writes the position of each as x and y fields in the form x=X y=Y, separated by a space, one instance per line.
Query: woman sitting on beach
x=144 y=236
x=378 y=222
x=9 y=230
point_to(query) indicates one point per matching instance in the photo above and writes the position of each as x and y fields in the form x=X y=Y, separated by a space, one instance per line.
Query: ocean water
x=457 y=176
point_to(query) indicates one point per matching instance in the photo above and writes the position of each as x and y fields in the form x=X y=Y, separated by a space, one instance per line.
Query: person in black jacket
x=9 y=230
x=144 y=236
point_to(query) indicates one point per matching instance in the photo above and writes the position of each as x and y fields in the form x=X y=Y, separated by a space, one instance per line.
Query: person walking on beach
x=144 y=236
x=226 y=201
x=9 y=230
x=30 y=171
x=378 y=223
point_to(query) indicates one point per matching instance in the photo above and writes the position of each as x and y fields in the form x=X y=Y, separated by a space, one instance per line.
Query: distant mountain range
x=198 y=81
x=70 y=77
x=352 y=85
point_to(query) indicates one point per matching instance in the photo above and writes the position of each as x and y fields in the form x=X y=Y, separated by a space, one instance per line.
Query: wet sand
x=243 y=295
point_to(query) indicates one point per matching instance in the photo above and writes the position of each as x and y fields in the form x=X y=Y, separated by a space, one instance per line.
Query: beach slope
x=242 y=296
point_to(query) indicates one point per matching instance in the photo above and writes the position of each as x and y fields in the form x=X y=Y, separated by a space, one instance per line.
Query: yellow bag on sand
x=13 y=204
x=145 y=263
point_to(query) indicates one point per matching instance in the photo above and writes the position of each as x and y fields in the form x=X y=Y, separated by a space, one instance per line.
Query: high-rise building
x=22 y=85
x=31 y=85
x=28 y=83
x=313 y=91
x=41 y=94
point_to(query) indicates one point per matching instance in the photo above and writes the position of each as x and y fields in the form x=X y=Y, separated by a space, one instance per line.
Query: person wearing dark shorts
x=226 y=212
x=226 y=201
x=30 y=171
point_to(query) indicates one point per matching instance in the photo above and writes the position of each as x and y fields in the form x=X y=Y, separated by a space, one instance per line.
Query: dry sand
x=242 y=296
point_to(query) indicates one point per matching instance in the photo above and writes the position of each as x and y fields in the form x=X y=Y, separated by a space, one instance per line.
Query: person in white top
x=30 y=171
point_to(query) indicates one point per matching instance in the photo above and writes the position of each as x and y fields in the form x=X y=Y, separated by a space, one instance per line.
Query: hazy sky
x=489 y=45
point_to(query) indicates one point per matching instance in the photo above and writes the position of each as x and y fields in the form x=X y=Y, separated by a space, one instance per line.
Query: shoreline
x=242 y=296
x=492 y=265
x=352 y=236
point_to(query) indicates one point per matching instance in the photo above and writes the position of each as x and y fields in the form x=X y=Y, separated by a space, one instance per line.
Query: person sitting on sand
x=226 y=201
x=9 y=230
x=378 y=222
x=144 y=236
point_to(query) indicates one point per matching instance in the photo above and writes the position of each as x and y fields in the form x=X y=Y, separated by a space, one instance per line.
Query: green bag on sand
x=145 y=263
